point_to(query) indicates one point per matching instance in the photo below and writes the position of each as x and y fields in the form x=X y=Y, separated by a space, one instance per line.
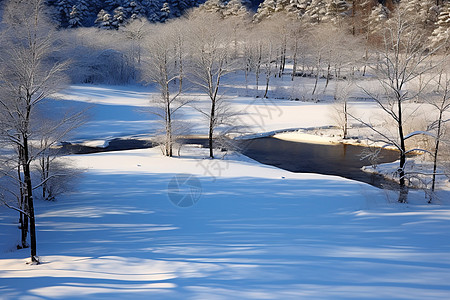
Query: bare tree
x=27 y=76
x=404 y=57
x=210 y=41
x=163 y=66
x=442 y=104
x=341 y=107
x=54 y=174
x=297 y=44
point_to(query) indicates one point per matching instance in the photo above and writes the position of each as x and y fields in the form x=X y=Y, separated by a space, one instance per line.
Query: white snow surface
x=256 y=232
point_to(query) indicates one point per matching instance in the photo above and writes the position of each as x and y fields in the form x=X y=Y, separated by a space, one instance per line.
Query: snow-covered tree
x=419 y=11
x=213 y=6
x=153 y=8
x=265 y=10
x=316 y=11
x=133 y=9
x=297 y=8
x=439 y=127
x=404 y=57
x=27 y=77
x=161 y=67
x=104 y=19
x=118 y=18
x=337 y=10
x=236 y=8
x=110 y=5
x=209 y=45
x=165 y=12
x=377 y=20
x=64 y=8
x=134 y=33
x=178 y=7
x=442 y=32
x=74 y=18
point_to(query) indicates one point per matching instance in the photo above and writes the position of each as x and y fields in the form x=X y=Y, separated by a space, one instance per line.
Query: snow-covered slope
x=255 y=232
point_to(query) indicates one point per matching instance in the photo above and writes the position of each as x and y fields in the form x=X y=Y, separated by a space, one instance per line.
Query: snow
x=419 y=173
x=256 y=231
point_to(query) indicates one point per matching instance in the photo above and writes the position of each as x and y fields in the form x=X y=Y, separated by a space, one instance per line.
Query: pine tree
x=103 y=20
x=74 y=18
x=442 y=31
x=133 y=9
x=316 y=11
x=377 y=19
x=418 y=11
x=165 y=12
x=336 y=11
x=153 y=9
x=297 y=8
x=110 y=5
x=265 y=10
x=85 y=14
x=64 y=8
x=281 y=5
x=236 y=8
x=118 y=18
x=213 y=6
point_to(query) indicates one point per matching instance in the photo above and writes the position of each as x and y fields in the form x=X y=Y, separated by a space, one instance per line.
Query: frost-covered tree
x=209 y=44
x=404 y=57
x=161 y=67
x=341 y=105
x=118 y=18
x=439 y=127
x=442 y=32
x=153 y=8
x=134 y=33
x=337 y=10
x=165 y=12
x=419 y=11
x=178 y=7
x=104 y=20
x=28 y=75
x=236 y=8
x=213 y=6
x=377 y=20
x=64 y=8
x=133 y=9
x=265 y=10
x=316 y=11
x=297 y=45
x=110 y=5
x=75 y=17
x=297 y=8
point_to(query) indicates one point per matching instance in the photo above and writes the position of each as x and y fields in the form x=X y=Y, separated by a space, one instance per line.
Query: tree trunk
x=403 y=189
x=267 y=85
x=211 y=128
x=328 y=77
x=294 y=66
x=317 y=76
x=29 y=200
x=345 y=119
x=258 y=67
x=436 y=151
x=23 y=219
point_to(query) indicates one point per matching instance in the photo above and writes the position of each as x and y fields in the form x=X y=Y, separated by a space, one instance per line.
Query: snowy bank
x=255 y=232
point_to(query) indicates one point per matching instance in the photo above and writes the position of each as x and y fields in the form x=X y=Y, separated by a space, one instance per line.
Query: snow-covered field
x=254 y=232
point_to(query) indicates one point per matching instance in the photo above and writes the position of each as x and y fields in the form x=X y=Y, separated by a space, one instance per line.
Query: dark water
x=341 y=160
